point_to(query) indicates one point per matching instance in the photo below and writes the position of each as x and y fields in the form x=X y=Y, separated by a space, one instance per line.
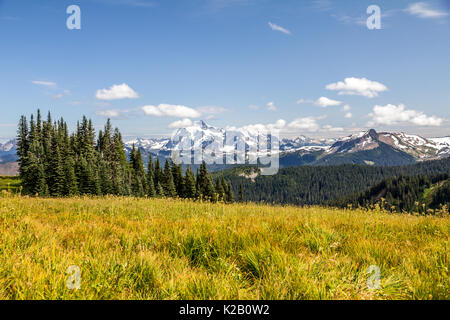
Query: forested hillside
x=404 y=193
x=309 y=185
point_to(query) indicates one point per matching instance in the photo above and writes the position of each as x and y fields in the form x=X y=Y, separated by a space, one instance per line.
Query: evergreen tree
x=52 y=162
x=205 y=183
x=168 y=184
x=58 y=175
x=241 y=193
x=220 y=190
x=151 y=189
x=190 y=189
x=229 y=193
x=178 y=180
x=22 y=148
x=159 y=190
x=70 y=181
x=151 y=192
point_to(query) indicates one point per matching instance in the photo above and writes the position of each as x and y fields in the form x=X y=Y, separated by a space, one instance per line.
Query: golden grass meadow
x=130 y=248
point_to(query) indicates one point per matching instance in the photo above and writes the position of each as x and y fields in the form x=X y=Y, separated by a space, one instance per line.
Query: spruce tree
x=159 y=190
x=22 y=147
x=205 y=183
x=70 y=181
x=220 y=190
x=178 y=180
x=150 y=182
x=158 y=173
x=168 y=184
x=190 y=189
x=241 y=193
x=229 y=195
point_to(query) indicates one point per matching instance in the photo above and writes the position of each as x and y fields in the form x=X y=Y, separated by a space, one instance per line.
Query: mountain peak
x=373 y=134
x=201 y=124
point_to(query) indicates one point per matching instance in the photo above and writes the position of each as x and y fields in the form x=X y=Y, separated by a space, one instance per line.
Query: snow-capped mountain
x=385 y=148
x=201 y=135
x=420 y=148
x=8 y=146
x=8 y=151
x=154 y=146
x=305 y=143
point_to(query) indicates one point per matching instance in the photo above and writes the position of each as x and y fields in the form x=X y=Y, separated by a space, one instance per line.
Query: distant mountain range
x=369 y=147
x=8 y=158
x=8 y=151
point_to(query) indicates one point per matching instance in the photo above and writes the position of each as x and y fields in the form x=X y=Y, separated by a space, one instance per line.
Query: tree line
x=320 y=185
x=404 y=194
x=53 y=162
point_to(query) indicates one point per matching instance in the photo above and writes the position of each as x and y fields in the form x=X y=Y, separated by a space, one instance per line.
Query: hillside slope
x=405 y=194
x=308 y=185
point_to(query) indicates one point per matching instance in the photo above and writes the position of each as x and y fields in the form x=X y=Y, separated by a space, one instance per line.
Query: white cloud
x=271 y=106
x=392 y=115
x=424 y=10
x=348 y=115
x=332 y=129
x=116 y=92
x=253 y=107
x=110 y=113
x=325 y=102
x=358 y=86
x=169 y=110
x=278 y=125
x=276 y=27
x=44 y=83
x=180 y=124
x=308 y=124
x=346 y=108
x=300 y=101
x=212 y=109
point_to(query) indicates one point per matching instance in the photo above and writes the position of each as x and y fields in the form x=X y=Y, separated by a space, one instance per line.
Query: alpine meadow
x=224 y=159
x=137 y=248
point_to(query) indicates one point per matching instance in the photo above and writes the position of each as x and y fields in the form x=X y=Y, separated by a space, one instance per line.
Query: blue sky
x=307 y=67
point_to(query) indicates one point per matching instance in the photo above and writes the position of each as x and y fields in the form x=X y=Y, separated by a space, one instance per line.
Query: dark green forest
x=404 y=194
x=314 y=185
x=54 y=163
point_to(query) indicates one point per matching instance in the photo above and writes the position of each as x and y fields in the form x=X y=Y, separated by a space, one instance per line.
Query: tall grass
x=128 y=248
